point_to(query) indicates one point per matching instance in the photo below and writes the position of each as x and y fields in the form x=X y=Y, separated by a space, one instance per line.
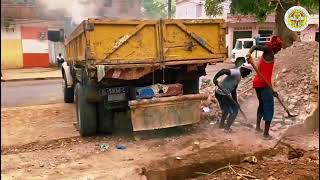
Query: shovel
x=249 y=60
x=236 y=103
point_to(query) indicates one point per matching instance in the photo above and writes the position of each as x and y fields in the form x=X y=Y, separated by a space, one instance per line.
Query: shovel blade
x=165 y=112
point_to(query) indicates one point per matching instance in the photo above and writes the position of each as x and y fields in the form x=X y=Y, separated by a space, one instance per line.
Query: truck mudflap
x=165 y=112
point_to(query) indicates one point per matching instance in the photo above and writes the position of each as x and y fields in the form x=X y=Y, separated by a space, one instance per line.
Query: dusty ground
x=276 y=165
x=40 y=142
x=42 y=151
x=38 y=148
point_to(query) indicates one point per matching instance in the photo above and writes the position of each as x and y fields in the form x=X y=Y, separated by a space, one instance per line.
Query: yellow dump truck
x=148 y=68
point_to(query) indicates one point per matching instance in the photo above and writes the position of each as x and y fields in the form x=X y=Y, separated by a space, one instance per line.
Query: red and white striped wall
x=35 y=46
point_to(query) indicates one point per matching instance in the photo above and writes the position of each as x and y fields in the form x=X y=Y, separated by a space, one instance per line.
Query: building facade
x=26 y=35
x=33 y=36
x=195 y=9
x=246 y=27
x=241 y=26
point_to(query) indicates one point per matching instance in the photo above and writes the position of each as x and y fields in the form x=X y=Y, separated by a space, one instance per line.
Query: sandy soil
x=40 y=148
x=24 y=125
x=277 y=165
x=40 y=142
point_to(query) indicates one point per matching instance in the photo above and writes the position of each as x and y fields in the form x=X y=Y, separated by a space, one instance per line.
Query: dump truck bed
x=118 y=42
x=127 y=58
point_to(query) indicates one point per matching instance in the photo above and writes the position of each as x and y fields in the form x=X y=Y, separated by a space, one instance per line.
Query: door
x=54 y=49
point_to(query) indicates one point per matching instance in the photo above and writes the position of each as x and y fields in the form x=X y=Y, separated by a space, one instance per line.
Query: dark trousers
x=266 y=104
x=228 y=108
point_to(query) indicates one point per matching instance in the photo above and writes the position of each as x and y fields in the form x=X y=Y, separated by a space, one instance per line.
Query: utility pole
x=169 y=9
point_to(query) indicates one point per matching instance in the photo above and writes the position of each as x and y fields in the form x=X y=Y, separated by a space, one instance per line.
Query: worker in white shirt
x=60 y=60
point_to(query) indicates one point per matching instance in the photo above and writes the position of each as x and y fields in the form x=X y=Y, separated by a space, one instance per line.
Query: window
x=55 y=36
x=107 y=3
x=239 y=45
x=265 y=33
x=317 y=36
x=199 y=10
x=247 y=44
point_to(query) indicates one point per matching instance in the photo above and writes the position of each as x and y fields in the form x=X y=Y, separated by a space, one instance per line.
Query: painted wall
x=11 y=48
x=11 y=54
x=15 y=34
x=34 y=46
x=188 y=10
x=35 y=50
x=309 y=34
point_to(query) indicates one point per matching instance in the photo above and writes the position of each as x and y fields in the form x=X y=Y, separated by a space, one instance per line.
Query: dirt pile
x=295 y=75
x=278 y=163
x=295 y=78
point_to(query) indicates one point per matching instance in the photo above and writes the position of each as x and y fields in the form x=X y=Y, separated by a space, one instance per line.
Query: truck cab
x=243 y=46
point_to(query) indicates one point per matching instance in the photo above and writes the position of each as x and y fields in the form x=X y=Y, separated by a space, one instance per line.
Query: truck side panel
x=111 y=43
x=118 y=42
x=190 y=40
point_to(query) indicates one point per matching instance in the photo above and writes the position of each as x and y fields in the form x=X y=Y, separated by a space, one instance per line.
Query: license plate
x=117 y=97
x=116 y=90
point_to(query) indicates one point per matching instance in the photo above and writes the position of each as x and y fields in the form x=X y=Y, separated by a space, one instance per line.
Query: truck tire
x=86 y=113
x=191 y=86
x=68 y=93
x=239 y=62
x=105 y=119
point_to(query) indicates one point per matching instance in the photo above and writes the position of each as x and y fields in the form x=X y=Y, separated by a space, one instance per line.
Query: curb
x=29 y=79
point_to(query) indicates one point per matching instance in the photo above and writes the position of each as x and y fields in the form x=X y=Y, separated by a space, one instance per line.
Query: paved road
x=26 y=93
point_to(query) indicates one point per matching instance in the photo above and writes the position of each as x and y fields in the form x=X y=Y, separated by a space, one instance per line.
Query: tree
x=262 y=8
x=158 y=8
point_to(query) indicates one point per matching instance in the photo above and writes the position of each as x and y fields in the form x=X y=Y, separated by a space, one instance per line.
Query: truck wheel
x=105 y=121
x=239 y=62
x=86 y=113
x=68 y=93
x=191 y=86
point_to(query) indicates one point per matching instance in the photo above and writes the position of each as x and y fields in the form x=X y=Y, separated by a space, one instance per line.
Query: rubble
x=294 y=79
x=293 y=76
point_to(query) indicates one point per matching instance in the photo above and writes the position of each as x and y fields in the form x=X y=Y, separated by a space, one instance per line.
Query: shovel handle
x=269 y=85
x=235 y=102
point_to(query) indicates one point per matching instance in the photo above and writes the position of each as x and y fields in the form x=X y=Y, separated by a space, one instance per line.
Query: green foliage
x=213 y=7
x=259 y=8
x=158 y=8
x=17 y=1
x=312 y=6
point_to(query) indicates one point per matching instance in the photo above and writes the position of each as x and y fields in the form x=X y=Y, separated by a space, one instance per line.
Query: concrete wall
x=11 y=54
x=35 y=50
x=11 y=48
x=194 y=9
x=54 y=49
x=246 y=23
x=185 y=10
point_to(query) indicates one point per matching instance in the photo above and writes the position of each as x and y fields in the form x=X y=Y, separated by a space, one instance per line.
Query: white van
x=242 y=47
